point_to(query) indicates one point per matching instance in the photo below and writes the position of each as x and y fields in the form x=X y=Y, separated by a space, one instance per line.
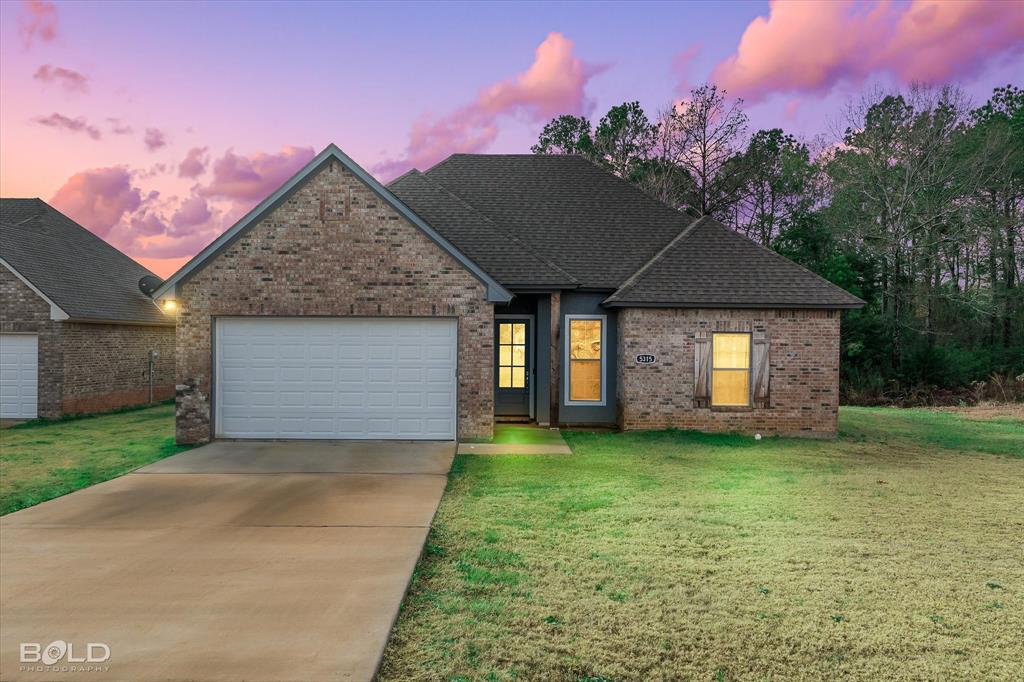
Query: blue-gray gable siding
x=586 y=303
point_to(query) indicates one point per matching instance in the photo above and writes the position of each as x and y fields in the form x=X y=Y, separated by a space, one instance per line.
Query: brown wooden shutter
x=702 y=369
x=760 y=365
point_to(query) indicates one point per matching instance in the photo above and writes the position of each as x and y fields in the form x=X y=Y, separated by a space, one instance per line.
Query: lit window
x=730 y=370
x=586 y=358
x=512 y=355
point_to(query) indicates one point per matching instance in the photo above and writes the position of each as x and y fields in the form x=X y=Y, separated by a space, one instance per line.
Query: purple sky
x=157 y=124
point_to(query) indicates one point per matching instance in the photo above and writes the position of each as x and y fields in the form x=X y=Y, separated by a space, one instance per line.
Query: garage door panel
x=380 y=375
x=336 y=378
x=19 y=376
x=350 y=398
x=321 y=399
x=379 y=351
x=410 y=399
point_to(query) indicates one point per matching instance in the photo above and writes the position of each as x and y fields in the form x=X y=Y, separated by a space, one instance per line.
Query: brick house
x=77 y=334
x=518 y=287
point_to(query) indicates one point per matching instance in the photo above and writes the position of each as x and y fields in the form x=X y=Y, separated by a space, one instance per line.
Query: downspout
x=153 y=355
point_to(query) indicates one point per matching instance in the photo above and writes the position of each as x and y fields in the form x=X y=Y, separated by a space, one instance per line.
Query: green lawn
x=894 y=552
x=42 y=460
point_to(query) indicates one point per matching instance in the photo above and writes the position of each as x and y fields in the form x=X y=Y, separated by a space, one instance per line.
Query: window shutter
x=702 y=369
x=759 y=369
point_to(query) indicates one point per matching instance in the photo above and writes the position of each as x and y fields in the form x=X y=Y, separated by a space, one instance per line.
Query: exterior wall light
x=170 y=305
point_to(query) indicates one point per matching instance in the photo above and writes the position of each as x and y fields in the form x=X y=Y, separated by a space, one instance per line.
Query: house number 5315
x=645 y=359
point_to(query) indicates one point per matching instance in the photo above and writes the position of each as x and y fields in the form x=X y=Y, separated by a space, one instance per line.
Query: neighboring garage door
x=19 y=376
x=294 y=377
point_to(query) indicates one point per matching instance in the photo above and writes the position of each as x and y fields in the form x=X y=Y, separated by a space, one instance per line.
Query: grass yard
x=893 y=553
x=41 y=460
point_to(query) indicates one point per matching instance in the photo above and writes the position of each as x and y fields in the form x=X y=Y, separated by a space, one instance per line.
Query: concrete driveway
x=233 y=561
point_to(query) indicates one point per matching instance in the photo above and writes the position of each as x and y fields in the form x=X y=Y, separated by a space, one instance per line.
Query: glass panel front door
x=513 y=363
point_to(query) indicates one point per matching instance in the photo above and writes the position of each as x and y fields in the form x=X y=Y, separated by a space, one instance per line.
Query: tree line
x=914 y=203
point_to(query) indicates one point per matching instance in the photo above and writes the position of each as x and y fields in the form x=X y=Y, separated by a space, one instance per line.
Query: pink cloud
x=73 y=125
x=251 y=178
x=194 y=163
x=38 y=21
x=119 y=128
x=154 y=139
x=147 y=234
x=791 y=108
x=553 y=84
x=681 y=64
x=71 y=80
x=105 y=201
x=937 y=41
x=98 y=198
x=811 y=47
x=148 y=224
x=151 y=172
x=193 y=211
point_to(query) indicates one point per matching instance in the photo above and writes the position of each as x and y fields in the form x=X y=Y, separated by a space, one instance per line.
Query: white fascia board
x=57 y=313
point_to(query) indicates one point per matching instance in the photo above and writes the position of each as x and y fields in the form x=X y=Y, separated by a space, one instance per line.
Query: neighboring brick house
x=519 y=287
x=77 y=334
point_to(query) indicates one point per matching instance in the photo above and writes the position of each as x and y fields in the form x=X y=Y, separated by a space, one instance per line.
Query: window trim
x=749 y=370
x=526 y=354
x=567 y=361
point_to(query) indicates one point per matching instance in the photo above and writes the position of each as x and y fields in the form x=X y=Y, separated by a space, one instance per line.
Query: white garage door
x=19 y=376
x=335 y=378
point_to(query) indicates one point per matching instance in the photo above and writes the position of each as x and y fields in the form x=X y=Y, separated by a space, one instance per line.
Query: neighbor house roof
x=73 y=269
x=597 y=227
x=710 y=265
x=495 y=291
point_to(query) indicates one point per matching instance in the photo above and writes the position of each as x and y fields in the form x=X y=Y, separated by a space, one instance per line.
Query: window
x=512 y=355
x=730 y=370
x=586 y=359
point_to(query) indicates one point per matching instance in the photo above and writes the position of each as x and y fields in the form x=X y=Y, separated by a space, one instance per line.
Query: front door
x=513 y=366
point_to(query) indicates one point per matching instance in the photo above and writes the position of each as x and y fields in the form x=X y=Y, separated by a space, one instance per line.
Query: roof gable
x=709 y=265
x=495 y=291
x=70 y=267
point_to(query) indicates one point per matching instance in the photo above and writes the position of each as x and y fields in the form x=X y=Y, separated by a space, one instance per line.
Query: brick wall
x=107 y=365
x=804 y=370
x=333 y=248
x=23 y=311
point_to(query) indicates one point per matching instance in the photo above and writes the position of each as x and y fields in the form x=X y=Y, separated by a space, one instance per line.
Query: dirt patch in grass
x=892 y=553
x=987 y=411
x=41 y=460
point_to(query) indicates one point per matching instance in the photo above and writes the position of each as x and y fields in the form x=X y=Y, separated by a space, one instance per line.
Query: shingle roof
x=88 y=278
x=595 y=226
x=710 y=265
x=476 y=235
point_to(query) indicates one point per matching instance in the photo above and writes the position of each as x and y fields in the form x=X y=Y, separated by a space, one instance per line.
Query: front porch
x=537 y=378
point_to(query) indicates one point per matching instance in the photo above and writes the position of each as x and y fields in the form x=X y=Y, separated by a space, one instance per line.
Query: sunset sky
x=157 y=125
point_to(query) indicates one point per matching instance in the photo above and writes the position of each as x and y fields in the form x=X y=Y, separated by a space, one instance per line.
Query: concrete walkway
x=519 y=439
x=234 y=561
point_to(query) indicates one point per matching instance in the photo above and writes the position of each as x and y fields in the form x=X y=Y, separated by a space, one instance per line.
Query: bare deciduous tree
x=708 y=132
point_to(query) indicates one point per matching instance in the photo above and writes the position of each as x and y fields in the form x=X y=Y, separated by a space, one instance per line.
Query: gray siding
x=579 y=303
